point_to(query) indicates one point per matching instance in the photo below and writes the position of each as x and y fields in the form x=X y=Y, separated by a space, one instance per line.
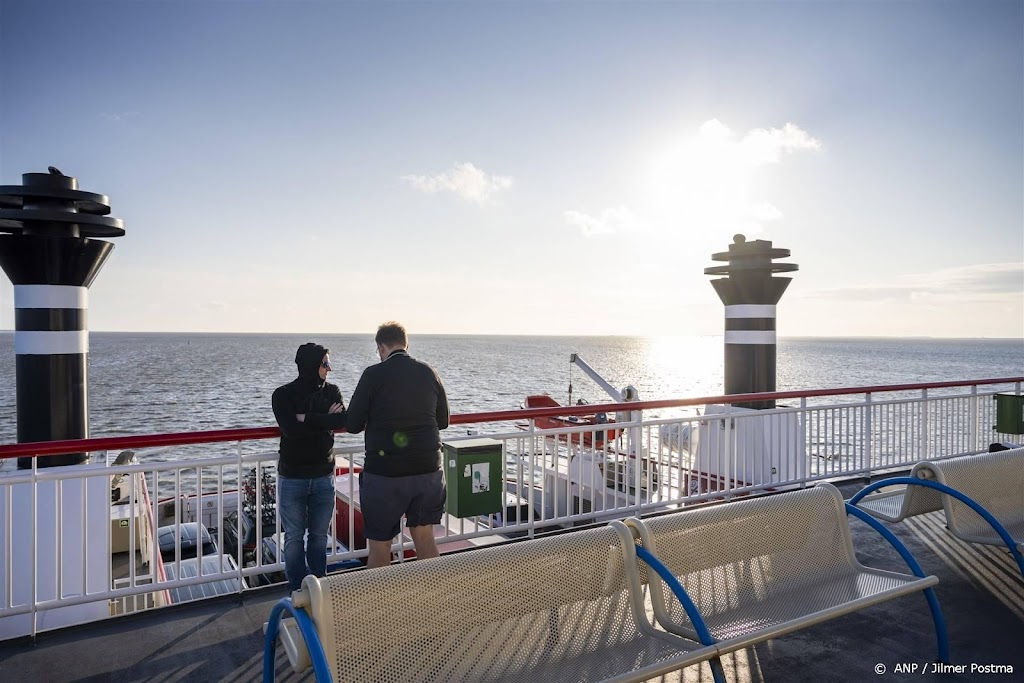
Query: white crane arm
x=592 y=374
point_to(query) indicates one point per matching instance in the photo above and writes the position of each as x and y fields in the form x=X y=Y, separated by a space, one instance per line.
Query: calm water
x=151 y=383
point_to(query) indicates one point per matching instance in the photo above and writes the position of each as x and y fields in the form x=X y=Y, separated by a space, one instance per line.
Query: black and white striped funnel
x=51 y=256
x=750 y=295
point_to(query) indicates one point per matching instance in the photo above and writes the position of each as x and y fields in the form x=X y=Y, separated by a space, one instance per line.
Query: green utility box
x=475 y=473
x=1010 y=413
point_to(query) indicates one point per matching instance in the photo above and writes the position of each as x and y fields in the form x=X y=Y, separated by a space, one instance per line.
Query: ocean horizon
x=560 y=336
x=154 y=382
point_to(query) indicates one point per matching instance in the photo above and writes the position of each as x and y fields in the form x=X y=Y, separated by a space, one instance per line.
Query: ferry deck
x=981 y=593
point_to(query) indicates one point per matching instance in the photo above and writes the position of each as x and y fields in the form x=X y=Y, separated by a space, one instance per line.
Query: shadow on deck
x=981 y=593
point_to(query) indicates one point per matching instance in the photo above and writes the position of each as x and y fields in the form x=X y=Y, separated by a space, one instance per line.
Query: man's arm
x=443 y=414
x=334 y=418
x=331 y=421
x=359 y=407
x=285 y=412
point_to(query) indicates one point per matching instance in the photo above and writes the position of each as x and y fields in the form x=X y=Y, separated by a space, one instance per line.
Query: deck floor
x=981 y=593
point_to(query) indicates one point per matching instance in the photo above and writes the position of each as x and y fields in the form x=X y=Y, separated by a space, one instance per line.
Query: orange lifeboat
x=593 y=439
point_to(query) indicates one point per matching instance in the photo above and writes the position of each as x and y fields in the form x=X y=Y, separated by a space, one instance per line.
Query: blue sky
x=531 y=168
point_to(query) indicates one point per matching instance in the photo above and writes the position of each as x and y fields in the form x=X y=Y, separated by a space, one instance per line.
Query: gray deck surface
x=981 y=593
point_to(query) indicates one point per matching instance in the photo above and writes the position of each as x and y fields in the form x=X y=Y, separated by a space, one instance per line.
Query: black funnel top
x=51 y=204
x=749 y=273
x=53 y=226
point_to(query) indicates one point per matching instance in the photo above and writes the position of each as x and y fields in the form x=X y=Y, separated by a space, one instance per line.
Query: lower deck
x=981 y=593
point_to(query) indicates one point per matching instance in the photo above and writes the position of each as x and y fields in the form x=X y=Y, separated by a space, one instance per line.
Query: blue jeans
x=305 y=505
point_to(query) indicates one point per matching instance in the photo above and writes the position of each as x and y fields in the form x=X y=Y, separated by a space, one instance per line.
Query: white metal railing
x=657 y=463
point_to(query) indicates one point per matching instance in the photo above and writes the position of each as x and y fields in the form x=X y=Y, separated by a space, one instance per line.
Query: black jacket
x=307 y=448
x=402 y=405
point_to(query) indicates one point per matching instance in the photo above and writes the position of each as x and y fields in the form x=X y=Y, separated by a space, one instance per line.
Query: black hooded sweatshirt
x=307 y=448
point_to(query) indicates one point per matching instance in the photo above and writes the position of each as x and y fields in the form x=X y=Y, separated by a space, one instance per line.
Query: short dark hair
x=391 y=333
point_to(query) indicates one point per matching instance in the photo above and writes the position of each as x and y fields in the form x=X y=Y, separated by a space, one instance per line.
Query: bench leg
x=929 y=593
x=717 y=672
x=309 y=634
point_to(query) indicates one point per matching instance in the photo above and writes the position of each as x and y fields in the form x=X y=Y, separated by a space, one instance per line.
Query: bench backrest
x=488 y=614
x=919 y=500
x=994 y=480
x=741 y=552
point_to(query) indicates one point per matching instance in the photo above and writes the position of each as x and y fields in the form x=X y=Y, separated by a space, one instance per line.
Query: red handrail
x=44 y=448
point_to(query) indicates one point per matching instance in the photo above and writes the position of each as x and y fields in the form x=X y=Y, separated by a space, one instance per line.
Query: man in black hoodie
x=307 y=409
x=401 y=403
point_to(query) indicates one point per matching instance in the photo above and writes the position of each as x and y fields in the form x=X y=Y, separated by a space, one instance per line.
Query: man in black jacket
x=401 y=404
x=307 y=409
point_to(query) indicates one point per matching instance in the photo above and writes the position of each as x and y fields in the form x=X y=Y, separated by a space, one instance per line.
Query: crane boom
x=592 y=374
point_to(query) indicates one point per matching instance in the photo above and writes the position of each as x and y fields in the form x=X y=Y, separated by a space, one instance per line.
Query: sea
x=160 y=383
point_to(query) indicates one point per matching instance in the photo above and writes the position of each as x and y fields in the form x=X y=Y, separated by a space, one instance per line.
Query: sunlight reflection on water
x=153 y=383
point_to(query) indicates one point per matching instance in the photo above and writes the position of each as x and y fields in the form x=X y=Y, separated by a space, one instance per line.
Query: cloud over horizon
x=977 y=282
x=613 y=220
x=464 y=180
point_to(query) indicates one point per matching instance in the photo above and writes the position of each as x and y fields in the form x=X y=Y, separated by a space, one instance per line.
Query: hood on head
x=308 y=358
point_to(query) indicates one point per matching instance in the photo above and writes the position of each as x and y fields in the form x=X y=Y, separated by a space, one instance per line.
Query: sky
x=530 y=168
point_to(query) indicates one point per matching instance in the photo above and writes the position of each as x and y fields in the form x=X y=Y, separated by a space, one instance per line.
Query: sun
x=702 y=184
x=699 y=184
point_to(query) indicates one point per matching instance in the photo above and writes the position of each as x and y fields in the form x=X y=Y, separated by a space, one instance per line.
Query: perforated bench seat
x=555 y=609
x=763 y=567
x=833 y=595
x=907 y=501
x=993 y=481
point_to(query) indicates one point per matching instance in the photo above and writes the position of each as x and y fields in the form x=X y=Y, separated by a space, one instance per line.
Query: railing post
x=238 y=520
x=807 y=449
x=240 y=565
x=972 y=424
x=9 y=546
x=868 y=450
x=58 y=491
x=257 y=485
x=532 y=526
x=638 y=464
x=132 y=512
x=35 y=544
x=923 y=430
x=729 y=448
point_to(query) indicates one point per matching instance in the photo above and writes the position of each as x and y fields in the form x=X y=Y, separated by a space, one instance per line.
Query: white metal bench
x=982 y=497
x=897 y=504
x=573 y=607
x=751 y=570
x=552 y=609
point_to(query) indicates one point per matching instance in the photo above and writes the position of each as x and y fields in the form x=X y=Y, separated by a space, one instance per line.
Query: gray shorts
x=420 y=497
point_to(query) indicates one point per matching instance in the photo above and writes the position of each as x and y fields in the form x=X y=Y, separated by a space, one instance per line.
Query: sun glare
x=700 y=184
x=687 y=366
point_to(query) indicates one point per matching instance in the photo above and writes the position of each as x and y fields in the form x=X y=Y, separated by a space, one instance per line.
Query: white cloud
x=716 y=144
x=978 y=282
x=465 y=180
x=767 y=145
x=119 y=117
x=981 y=277
x=617 y=219
x=764 y=211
